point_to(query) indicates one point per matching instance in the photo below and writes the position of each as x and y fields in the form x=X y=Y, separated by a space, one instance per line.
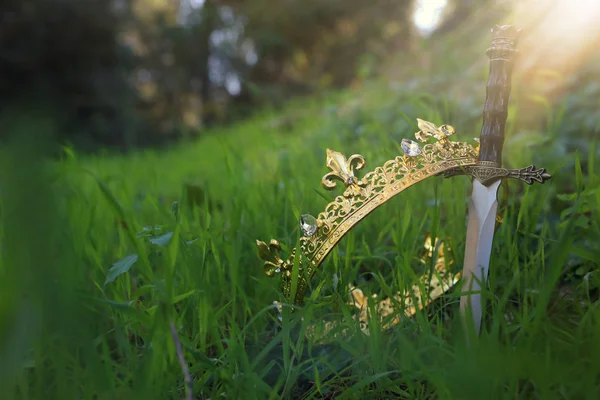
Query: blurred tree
x=456 y=13
x=303 y=44
x=66 y=52
x=206 y=26
x=133 y=72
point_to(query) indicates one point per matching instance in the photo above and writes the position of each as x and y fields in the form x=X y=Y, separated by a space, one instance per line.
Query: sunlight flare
x=428 y=14
x=566 y=29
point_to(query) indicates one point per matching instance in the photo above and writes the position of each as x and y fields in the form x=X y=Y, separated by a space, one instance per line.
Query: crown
x=426 y=289
x=434 y=153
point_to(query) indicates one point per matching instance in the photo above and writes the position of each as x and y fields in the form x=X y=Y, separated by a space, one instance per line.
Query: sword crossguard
x=487 y=173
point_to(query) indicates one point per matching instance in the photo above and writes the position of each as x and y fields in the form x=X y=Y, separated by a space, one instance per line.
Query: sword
x=488 y=173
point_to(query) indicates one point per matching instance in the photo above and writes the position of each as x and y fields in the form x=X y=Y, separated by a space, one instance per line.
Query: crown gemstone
x=448 y=130
x=410 y=148
x=308 y=224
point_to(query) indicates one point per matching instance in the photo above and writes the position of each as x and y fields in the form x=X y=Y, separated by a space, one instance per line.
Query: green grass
x=102 y=255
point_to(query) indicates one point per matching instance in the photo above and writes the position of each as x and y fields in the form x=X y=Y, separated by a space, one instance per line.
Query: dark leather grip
x=502 y=55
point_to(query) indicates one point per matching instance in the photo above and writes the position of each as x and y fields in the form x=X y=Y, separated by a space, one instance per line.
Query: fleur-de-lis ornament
x=343 y=169
x=428 y=129
x=321 y=234
x=269 y=253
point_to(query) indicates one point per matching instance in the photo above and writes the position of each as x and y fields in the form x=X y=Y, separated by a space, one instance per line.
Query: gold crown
x=421 y=293
x=436 y=155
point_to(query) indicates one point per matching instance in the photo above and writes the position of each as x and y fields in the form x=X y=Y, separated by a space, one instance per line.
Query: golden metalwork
x=427 y=289
x=427 y=129
x=487 y=174
x=343 y=170
x=269 y=253
x=390 y=311
x=436 y=156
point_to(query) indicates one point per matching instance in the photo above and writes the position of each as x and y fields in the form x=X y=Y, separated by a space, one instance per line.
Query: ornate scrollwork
x=403 y=304
x=274 y=264
x=343 y=170
x=437 y=155
x=428 y=129
x=488 y=174
x=362 y=196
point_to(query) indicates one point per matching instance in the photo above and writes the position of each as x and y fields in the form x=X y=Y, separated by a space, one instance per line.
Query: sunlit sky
x=428 y=13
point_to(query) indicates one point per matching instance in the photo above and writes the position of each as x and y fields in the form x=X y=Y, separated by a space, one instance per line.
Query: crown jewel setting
x=437 y=155
x=432 y=153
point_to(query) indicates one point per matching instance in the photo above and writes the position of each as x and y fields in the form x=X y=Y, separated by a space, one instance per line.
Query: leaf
x=162 y=240
x=566 y=196
x=120 y=267
x=175 y=210
x=149 y=231
x=116 y=206
x=322 y=195
x=173 y=247
x=127 y=308
x=578 y=174
x=143 y=290
x=192 y=240
x=69 y=153
x=183 y=296
x=117 y=305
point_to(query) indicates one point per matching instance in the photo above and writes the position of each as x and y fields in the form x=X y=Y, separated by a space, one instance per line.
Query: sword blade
x=480 y=236
x=484 y=204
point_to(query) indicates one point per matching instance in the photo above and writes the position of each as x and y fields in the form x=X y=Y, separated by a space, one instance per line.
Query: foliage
x=82 y=317
x=319 y=42
x=129 y=73
x=65 y=57
x=103 y=257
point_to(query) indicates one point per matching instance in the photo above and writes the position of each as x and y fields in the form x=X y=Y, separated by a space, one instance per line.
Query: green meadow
x=110 y=262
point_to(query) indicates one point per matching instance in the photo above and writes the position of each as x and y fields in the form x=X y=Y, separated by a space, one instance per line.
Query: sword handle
x=501 y=54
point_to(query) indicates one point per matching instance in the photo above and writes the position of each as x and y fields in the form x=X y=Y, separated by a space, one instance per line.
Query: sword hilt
x=501 y=54
x=488 y=175
x=489 y=167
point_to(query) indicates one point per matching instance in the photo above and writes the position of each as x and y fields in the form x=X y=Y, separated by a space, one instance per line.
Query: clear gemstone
x=278 y=270
x=448 y=130
x=350 y=180
x=308 y=224
x=410 y=148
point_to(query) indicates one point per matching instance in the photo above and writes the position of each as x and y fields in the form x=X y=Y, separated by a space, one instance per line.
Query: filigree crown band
x=436 y=155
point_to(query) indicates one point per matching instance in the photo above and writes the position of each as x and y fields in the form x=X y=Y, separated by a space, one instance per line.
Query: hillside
x=119 y=252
